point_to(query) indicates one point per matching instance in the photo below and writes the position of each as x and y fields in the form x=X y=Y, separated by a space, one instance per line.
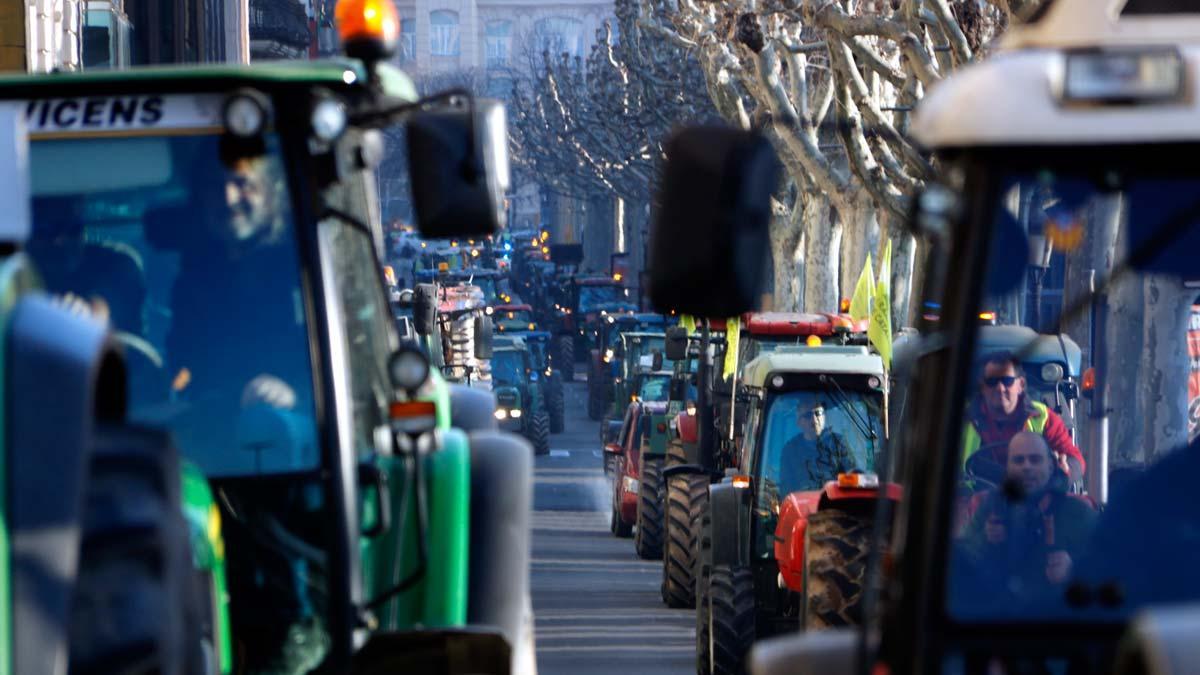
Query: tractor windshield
x=508 y=366
x=809 y=437
x=194 y=262
x=595 y=298
x=655 y=388
x=1031 y=541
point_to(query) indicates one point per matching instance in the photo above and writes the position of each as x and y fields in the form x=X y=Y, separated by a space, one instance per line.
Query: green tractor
x=223 y=220
x=520 y=401
x=550 y=377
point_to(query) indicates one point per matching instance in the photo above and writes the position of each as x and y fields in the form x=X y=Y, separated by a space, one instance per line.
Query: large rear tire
x=649 y=539
x=597 y=395
x=539 y=432
x=835 y=568
x=564 y=358
x=686 y=497
x=556 y=404
x=136 y=604
x=731 y=618
x=703 y=572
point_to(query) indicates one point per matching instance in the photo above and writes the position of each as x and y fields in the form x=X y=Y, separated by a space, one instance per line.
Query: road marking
x=560 y=453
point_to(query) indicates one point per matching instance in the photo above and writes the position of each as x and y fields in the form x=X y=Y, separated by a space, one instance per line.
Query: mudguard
x=472 y=409
x=501 y=504
x=63 y=373
x=826 y=652
x=729 y=507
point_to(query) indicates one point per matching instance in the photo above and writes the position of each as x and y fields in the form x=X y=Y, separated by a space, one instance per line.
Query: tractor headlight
x=328 y=119
x=1052 y=372
x=608 y=355
x=245 y=114
x=408 y=367
x=501 y=414
x=515 y=413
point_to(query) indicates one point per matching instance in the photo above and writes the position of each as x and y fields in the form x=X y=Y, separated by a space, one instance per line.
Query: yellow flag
x=860 y=303
x=733 y=329
x=688 y=322
x=879 y=332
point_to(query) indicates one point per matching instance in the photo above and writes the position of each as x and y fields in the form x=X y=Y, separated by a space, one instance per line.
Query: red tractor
x=784 y=535
x=688 y=476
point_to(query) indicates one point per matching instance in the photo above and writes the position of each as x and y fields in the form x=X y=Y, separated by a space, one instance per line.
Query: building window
x=443 y=33
x=499 y=43
x=408 y=40
x=559 y=35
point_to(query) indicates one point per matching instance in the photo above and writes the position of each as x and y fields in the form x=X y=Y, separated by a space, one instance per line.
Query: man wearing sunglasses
x=1003 y=409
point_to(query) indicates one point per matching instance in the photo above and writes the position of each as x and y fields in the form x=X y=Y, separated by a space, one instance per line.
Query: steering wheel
x=983 y=469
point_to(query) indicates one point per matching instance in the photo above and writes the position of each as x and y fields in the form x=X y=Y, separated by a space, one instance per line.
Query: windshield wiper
x=855 y=416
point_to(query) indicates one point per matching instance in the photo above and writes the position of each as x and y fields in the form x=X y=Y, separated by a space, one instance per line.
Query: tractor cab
x=513 y=318
x=1065 y=204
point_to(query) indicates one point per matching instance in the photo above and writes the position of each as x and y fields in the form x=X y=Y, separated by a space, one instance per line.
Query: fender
x=789 y=535
x=729 y=509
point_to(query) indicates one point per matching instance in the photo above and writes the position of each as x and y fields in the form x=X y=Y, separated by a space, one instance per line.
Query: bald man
x=1026 y=538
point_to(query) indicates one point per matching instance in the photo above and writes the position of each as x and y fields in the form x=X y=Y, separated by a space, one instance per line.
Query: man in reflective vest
x=1003 y=409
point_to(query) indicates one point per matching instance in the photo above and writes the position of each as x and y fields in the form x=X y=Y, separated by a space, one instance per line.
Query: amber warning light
x=369 y=29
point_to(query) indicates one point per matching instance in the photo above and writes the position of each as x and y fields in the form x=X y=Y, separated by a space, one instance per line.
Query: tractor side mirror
x=458 y=160
x=710 y=236
x=425 y=308
x=678 y=390
x=482 y=328
x=676 y=343
x=656 y=361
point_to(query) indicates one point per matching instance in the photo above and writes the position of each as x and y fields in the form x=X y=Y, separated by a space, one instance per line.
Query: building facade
x=487 y=45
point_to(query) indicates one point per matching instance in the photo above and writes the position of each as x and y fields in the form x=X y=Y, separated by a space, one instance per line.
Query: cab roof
x=1012 y=98
x=798 y=324
x=332 y=73
x=835 y=360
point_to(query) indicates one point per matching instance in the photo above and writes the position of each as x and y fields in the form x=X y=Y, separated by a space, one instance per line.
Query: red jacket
x=1000 y=432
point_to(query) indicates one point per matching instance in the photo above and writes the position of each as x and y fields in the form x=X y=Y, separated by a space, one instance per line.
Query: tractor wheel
x=136 y=605
x=539 y=432
x=686 y=498
x=564 y=357
x=835 y=568
x=615 y=524
x=731 y=618
x=703 y=572
x=597 y=401
x=649 y=539
x=556 y=404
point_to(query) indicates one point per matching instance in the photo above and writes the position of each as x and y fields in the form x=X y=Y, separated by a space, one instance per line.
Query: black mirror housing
x=459 y=167
x=425 y=308
x=711 y=236
x=676 y=343
x=482 y=329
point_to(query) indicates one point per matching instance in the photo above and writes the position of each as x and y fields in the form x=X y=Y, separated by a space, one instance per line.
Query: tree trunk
x=862 y=235
x=822 y=254
x=1165 y=367
x=787 y=254
x=904 y=257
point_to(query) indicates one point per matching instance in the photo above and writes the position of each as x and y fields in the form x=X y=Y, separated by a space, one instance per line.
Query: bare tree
x=596 y=125
x=832 y=83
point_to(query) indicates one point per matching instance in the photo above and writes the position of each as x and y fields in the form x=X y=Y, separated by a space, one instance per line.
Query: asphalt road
x=596 y=604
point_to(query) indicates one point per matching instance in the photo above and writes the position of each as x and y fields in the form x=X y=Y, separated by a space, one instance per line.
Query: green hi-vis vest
x=1036 y=423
